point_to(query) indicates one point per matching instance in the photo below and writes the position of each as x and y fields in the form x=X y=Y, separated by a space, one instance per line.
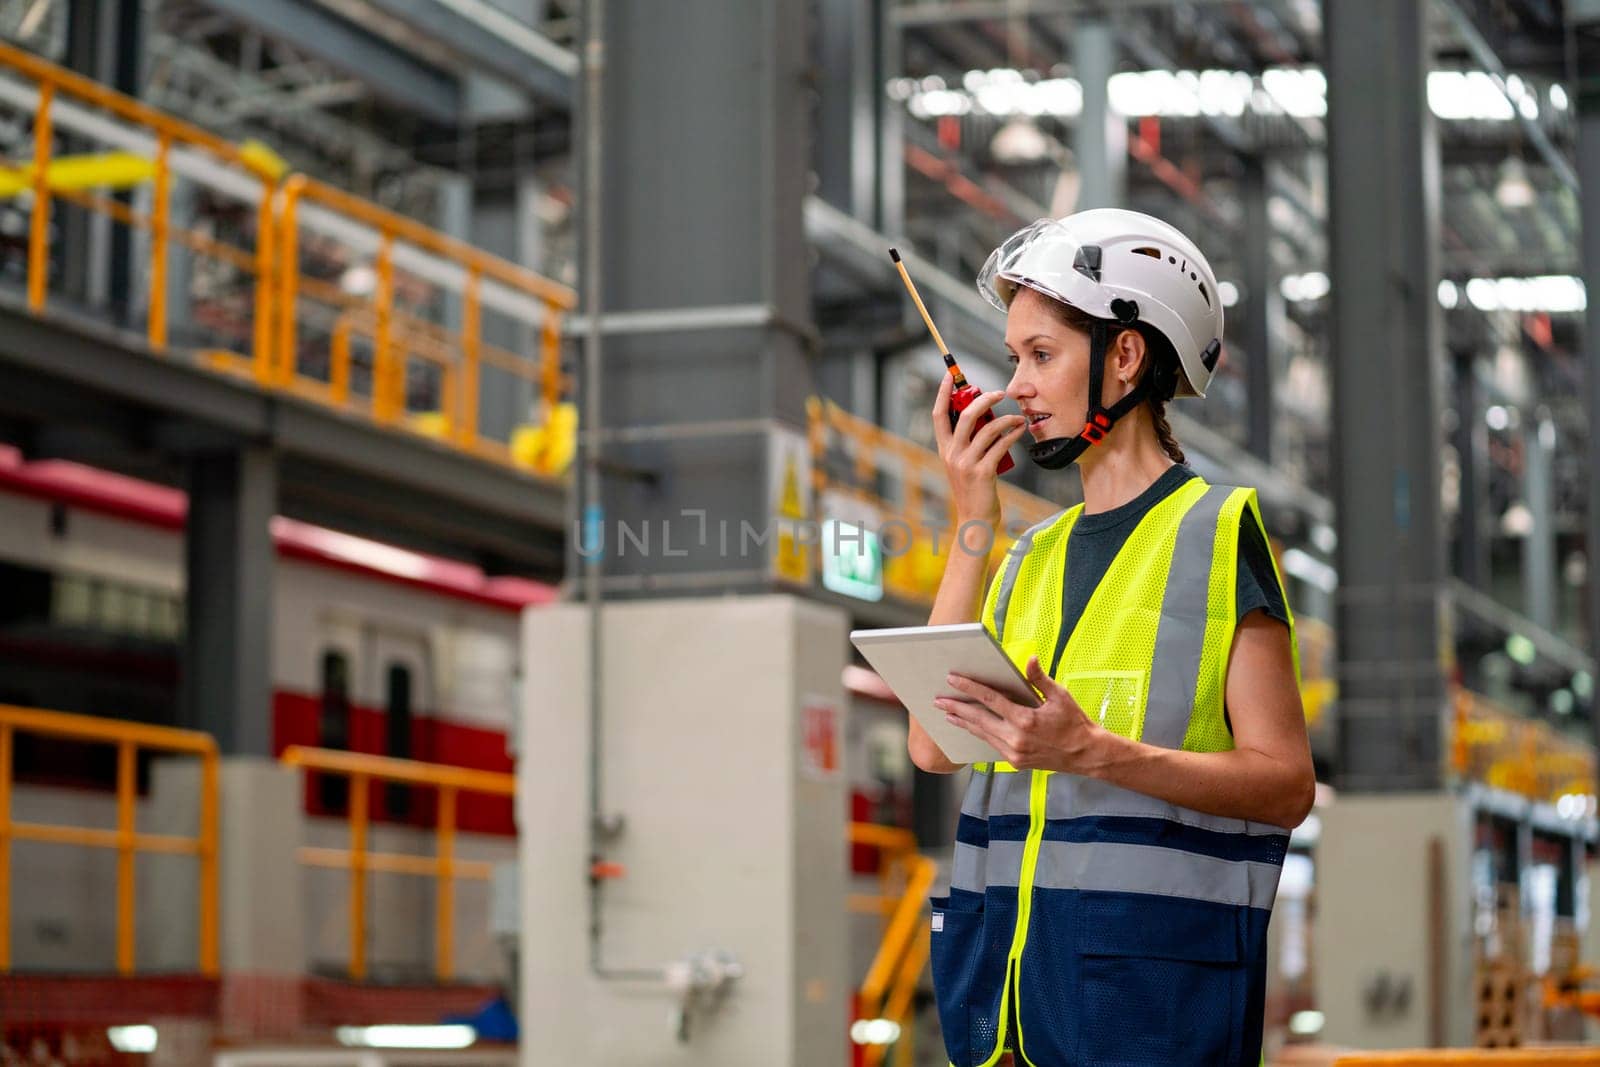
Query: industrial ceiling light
x=1019 y=142
x=1514 y=191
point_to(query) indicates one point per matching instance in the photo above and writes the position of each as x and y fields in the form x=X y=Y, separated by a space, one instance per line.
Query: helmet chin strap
x=1060 y=452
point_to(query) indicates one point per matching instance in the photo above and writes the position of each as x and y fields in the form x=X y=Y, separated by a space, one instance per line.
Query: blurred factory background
x=350 y=699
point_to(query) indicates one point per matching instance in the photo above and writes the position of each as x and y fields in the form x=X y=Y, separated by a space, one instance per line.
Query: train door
x=401 y=681
x=338 y=659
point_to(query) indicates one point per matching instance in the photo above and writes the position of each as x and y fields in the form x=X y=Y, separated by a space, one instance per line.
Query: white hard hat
x=1120 y=265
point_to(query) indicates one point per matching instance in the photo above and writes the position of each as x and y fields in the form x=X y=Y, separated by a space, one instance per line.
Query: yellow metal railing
x=891 y=982
x=1471 y=1057
x=429 y=298
x=400 y=328
x=442 y=866
x=129 y=738
x=55 y=86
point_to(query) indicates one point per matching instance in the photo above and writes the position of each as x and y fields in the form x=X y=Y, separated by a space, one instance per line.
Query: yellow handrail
x=891 y=981
x=57 y=84
x=128 y=737
x=276 y=270
x=443 y=867
x=467 y=351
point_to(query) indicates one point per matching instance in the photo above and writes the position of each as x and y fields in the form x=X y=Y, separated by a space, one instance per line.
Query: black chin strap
x=1059 y=452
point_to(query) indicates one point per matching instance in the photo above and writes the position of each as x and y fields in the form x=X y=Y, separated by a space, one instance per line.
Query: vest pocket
x=968 y=976
x=1162 y=981
x=1114 y=699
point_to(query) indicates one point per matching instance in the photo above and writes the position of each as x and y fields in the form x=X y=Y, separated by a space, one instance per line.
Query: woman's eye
x=1011 y=358
x=1041 y=355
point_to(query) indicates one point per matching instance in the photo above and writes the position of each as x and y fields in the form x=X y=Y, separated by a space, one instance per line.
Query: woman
x=1113 y=876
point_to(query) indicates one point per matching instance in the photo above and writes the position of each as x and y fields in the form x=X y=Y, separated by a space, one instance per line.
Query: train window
x=333 y=727
x=112 y=607
x=397 y=732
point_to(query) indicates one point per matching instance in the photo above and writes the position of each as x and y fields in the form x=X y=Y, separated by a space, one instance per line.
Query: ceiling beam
x=499 y=43
x=390 y=72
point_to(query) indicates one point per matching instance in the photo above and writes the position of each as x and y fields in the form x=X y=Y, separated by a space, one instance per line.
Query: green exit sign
x=852 y=560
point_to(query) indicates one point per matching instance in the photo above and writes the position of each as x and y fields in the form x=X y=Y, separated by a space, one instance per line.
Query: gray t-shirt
x=1096 y=539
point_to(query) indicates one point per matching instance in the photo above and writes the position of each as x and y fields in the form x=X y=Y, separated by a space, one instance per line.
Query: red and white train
x=374 y=648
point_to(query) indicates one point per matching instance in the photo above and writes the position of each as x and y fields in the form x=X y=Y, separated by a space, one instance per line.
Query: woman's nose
x=1019 y=386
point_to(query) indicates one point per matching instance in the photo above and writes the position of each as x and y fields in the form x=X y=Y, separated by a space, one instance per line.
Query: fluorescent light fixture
x=1554 y=293
x=1467 y=94
x=1558 y=97
x=458 y=1035
x=1449 y=294
x=1019 y=141
x=1308 y=287
x=132 y=1038
x=874 y=1031
x=1497 y=418
x=1514 y=189
x=1229 y=293
x=1299 y=92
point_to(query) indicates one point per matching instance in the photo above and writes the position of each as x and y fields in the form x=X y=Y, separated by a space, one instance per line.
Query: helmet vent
x=1205 y=294
x=1153 y=253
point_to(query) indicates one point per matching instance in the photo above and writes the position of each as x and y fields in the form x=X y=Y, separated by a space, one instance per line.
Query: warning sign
x=791 y=483
x=819 y=738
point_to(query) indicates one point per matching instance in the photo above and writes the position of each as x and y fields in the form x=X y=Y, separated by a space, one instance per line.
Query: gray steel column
x=1539 y=548
x=1260 y=293
x=891 y=168
x=847 y=107
x=1101 y=139
x=1383 y=181
x=701 y=218
x=226 y=687
x=1588 y=101
x=1471 y=439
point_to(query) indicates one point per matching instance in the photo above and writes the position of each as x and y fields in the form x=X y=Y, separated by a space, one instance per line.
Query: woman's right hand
x=971 y=461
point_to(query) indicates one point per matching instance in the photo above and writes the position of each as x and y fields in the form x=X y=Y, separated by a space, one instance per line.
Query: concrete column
x=1383 y=180
x=734 y=840
x=226 y=687
x=1101 y=141
x=259 y=890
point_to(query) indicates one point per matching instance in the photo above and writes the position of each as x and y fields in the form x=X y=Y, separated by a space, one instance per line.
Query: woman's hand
x=972 y=460
x=1055 y=736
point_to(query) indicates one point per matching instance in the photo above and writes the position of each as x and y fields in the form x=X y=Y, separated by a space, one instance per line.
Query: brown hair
x=1160 y=369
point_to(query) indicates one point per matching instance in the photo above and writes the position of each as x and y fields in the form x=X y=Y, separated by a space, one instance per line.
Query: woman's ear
x=1128 y=353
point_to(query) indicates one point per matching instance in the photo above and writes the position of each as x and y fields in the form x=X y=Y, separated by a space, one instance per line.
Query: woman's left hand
x=1055 y=736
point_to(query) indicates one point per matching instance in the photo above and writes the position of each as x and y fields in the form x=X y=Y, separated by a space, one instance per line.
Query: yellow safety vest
x=1116 y=928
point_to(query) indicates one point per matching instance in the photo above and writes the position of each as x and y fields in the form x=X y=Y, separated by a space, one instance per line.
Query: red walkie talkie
x=961 y=393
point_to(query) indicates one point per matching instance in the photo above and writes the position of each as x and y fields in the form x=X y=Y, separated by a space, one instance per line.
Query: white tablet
x=914 y=660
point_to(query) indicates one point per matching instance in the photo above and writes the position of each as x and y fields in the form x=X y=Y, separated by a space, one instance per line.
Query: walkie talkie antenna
x=959 y=379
